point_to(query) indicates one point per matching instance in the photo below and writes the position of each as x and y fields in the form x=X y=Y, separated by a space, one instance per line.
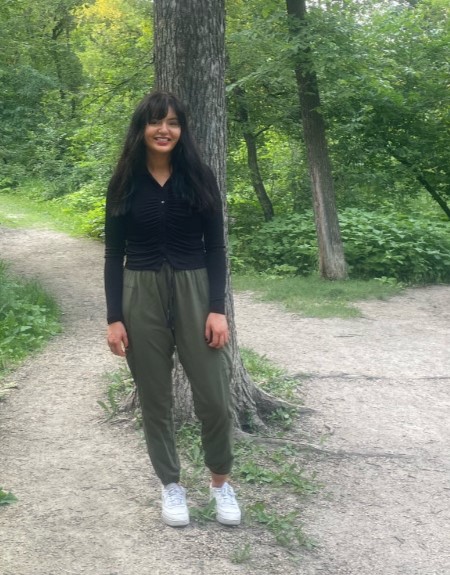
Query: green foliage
x=28 y=318
x=120 y=389
x=80 y=213
x=287 y=474
x=382 y=71
x=87 y=205
x=71 y=74
x=405 y=247
x=384 y=92
x=285 y=246
x=284 y=527
x=6 y=498
x=395 y=245
x=188 y=437
x=204 y=514
x=41 y=77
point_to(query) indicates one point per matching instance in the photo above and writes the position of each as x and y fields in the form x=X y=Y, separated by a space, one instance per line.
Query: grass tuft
x=241 y=554
x=6 y=498
x=312 y=296
x=270 y=377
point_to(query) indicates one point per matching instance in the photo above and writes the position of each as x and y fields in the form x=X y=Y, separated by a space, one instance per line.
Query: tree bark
x=190 y=62
x=331 y=253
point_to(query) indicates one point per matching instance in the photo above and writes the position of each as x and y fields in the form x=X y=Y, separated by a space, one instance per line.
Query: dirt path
x=89 y=503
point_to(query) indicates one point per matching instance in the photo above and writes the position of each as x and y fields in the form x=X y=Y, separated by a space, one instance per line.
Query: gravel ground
x=89 y=501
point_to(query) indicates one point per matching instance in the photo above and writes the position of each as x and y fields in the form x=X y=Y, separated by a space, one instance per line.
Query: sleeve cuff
x=217 y=306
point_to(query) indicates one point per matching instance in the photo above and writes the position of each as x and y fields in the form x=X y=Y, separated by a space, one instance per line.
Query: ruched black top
x=160 y=227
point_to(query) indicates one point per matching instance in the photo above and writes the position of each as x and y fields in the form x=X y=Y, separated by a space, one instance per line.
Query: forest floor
x=88 y=502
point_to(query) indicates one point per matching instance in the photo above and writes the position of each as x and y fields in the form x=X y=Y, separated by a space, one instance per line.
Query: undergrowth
x=28 y=318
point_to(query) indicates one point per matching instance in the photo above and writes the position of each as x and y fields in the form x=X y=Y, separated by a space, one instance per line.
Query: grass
x=19 y=210
x=269 y=376
x=312 y=296
x=28 y=318
x=6 y=497
x=284 y=526
x=241 y=554
x=120 y=387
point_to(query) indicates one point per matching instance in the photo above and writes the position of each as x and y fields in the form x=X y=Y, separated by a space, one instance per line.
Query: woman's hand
x=117 y=338
x=216 y=330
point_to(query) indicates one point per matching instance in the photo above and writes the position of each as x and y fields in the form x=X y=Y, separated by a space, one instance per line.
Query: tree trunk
x=331 y=254
x=252 y=153
x=190 y=62
x=255 y=175
x=423 y=181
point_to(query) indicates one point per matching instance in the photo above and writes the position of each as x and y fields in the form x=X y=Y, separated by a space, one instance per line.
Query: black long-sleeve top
x=160 y=227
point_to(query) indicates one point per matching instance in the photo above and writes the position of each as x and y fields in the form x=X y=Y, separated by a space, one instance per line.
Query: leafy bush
x=285 y=246
x=405 y=247
x=28 y=317
x=88 y=204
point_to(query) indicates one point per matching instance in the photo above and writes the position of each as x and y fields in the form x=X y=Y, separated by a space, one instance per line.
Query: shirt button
x=163 y=202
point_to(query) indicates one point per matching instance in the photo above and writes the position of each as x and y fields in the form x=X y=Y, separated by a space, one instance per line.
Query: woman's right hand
x=117 y=338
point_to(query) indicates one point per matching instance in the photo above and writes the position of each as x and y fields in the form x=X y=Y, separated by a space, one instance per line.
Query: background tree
x=262 y=114
x=190 y=61
x=331 y=252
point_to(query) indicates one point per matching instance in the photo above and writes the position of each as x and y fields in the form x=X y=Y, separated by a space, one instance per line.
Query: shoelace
x=226 y=494
x=174 y=496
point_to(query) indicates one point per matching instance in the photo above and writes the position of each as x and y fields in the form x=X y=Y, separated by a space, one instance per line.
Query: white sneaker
x=227 y=508
x=174 y=508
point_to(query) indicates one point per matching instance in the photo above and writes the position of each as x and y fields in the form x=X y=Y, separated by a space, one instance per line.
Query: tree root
x=267 y=403
x=310 y=447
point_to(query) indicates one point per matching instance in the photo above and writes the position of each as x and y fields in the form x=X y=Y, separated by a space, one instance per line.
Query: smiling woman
x=164 y=219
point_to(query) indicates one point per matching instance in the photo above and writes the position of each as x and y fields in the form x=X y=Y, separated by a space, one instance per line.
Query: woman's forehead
x=163 y=110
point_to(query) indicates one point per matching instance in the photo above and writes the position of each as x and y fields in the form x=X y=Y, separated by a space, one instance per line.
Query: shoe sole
x=175 y=522
x=225 y=521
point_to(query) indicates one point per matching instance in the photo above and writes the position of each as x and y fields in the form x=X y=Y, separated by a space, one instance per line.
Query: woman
x=164 y=216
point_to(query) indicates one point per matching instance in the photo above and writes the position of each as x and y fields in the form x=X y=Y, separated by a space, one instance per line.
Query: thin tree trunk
x=424 y=182
x=252 y=153
x=331 y=253
x=255 y=175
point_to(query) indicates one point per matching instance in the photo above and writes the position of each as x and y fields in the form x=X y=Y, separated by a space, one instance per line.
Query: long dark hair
x=192 y=179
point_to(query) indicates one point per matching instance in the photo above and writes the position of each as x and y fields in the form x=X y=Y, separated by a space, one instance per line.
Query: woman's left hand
x=216 y=330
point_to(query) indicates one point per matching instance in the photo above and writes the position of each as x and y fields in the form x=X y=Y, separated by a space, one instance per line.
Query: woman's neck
x=160 y=168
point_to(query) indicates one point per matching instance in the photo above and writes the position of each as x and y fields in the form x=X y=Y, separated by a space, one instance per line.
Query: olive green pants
x=168 y=309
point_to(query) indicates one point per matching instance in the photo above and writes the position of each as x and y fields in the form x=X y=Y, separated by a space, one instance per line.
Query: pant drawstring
x=171 y=301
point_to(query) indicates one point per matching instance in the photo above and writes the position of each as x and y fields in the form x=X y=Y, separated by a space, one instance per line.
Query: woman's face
x=161 y=136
